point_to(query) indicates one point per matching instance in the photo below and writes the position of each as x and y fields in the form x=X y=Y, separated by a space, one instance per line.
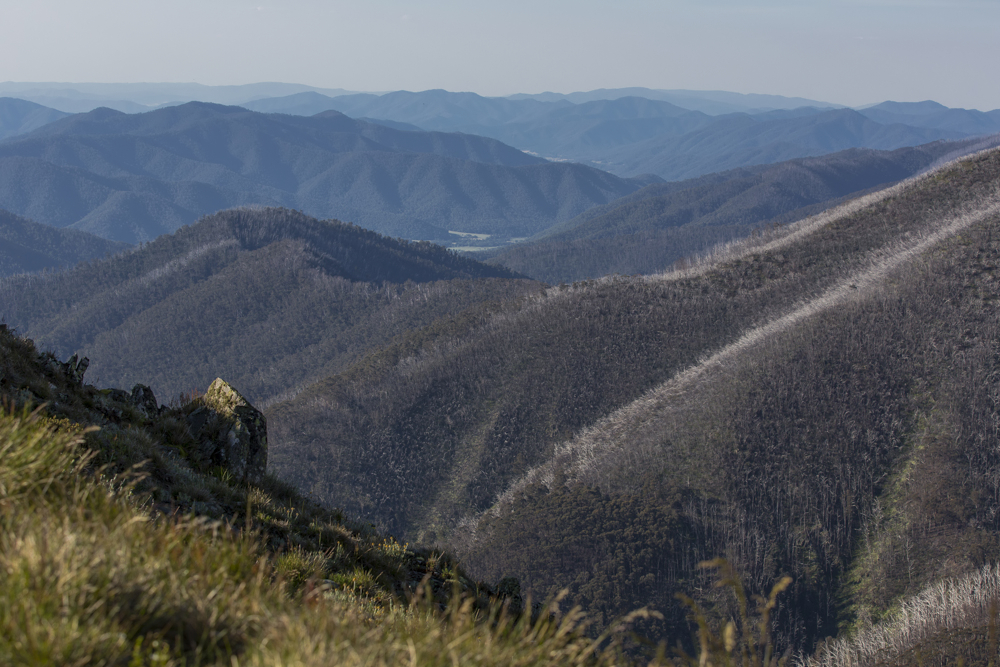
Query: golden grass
x=87 y=577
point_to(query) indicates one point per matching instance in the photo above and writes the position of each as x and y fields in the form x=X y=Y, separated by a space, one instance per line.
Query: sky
x=848 y=52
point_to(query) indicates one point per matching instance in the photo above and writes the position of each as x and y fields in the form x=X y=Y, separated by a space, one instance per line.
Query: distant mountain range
x=27 y=246
x=21 y=117
x=712 y=102
x=134 y=177
x=648 y=230
x=936 y=116
x=653 y=132
x=139 y=97
x=432 y=165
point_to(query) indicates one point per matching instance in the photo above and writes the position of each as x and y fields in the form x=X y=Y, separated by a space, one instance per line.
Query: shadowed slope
x=649 y=230
x=269 y=298
x=27 y=247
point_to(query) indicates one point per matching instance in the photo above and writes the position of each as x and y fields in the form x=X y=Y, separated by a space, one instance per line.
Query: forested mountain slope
x=844 y=442
x=20 y=116
x=649 y=230
x=134 y=177
x=269 y=298
x=27 y=246
x=810 y=405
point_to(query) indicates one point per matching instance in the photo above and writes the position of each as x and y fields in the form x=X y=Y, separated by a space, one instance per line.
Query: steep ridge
x=844 y=442
x=584 y=456
x=778 y=461
x=271 y=298
x=649 y=230
x=26 y=246
x=134 y=177
x=511 y=388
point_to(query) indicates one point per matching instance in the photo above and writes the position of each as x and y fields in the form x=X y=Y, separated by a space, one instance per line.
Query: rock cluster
x=116 y=403
x=72 y=369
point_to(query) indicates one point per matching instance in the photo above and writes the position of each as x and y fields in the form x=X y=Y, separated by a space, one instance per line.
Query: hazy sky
x=849 y=51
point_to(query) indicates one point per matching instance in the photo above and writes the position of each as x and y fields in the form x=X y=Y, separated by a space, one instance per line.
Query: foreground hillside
x=126 y=540
x=268 y=298
x=813 y=405
x=134 y=177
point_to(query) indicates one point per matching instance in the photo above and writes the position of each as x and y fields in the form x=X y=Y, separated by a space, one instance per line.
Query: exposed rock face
x=76 y=367
x=142 y=398
x=72 y=369
x=232 y=434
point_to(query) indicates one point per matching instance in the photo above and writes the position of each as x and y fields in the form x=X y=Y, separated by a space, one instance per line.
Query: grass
x=107 y=559
x=115 y=549
x=90 y=577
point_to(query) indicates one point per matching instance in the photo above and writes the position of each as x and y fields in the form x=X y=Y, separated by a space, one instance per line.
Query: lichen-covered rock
x=236 y=432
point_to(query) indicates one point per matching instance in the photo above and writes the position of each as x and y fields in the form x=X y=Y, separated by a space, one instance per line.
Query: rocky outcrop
x=117 y=404
x=145 y=402
x=75 y=368
x=72 y=369
x=230 y=433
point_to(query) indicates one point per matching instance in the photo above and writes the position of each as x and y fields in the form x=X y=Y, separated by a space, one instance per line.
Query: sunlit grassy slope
x=116 y=549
